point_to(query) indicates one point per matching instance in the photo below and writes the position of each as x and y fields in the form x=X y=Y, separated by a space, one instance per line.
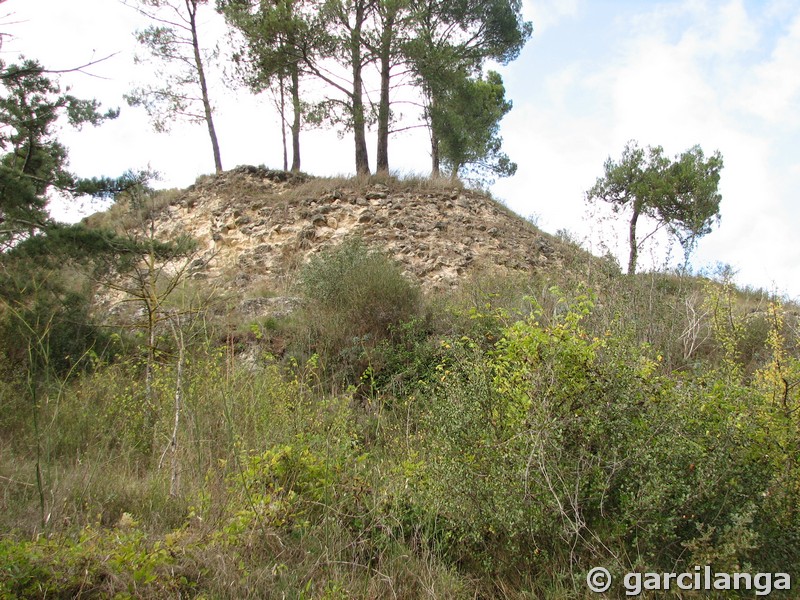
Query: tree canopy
x=33 y=161
x=448 y=52
x=428 y=54
x=274 y=39
x=466 y=120
x=681 y=194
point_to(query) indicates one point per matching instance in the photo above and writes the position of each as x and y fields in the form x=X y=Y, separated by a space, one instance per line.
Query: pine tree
x=680 y=195
x=182 y=93
x=34 y=162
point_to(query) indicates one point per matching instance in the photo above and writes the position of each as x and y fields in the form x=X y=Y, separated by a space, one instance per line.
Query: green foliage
x=498 y=443
x=356 y=296
x=46 y=325
x=445 y=45
x=33 y=160
x=362 y=285
x=278 y=40
x=447 y=54
x=270 y=32
x=281 y=488
x=465 y=116
x=399 y=363
x=46 y=285
x=174 y=43
x=573 y=449
x=166 y=100
x=680 y=195
x=464 y=34
x=99 y=562
x=60 y=331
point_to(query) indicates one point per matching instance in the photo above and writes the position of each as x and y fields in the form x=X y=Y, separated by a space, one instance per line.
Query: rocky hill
x=256 y=227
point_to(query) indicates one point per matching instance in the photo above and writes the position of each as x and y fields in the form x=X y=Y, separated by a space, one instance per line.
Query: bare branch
x=153 y=17
x=5 y=75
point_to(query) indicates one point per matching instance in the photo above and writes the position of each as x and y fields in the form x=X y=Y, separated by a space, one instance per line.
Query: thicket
x=496 y=443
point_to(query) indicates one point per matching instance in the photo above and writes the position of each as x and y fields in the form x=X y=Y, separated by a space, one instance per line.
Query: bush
x=49 y=328
x=559 y=449
x=356 y=296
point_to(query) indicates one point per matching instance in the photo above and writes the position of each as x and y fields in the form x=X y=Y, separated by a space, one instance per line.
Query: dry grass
x=319 y=187
x=122 y=216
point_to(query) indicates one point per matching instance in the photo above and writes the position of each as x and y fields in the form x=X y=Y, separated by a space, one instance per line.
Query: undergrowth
x=496 y=442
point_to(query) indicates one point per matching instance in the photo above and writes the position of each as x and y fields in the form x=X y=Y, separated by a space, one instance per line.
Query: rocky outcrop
x=257 y=227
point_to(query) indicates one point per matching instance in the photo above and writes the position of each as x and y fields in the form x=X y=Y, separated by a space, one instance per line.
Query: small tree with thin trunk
x=146 y=275
x=681 y=195
x=181 y=92
x=274 y=38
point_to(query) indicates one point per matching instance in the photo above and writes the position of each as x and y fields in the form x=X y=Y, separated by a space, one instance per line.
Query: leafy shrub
x=558 y=448
x=55 y=332
x=97 y=563
x=356 y=295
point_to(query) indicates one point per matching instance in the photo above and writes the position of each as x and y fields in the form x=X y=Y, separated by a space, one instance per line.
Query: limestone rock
x=256 y=227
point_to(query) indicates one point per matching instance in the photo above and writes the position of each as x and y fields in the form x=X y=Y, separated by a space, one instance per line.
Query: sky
x=724 y=74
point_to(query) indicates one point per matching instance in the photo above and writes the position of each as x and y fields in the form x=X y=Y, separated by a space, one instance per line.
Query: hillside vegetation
x=325 y=406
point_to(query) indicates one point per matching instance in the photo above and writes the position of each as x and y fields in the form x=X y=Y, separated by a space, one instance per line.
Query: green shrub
x=356 y=296
x=98 y=563
x=558 y=450
x=55 y=332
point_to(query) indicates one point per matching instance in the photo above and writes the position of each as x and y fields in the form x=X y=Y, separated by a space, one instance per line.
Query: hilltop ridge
x=257 y=227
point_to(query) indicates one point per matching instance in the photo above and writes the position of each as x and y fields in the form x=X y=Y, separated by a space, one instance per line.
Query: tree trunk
x=632 y=240
x=359 y=120
x=191 y=6
x=174 y=471
x=435 y=160
x=151 y=305
x=435 y=167
x=297 y=108
x=150 y=301
x=383 y=109
x=151 y=359
x=282 y=88
x=454 y=173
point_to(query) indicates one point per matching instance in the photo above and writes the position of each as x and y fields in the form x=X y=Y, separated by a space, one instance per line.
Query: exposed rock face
x=257 y=227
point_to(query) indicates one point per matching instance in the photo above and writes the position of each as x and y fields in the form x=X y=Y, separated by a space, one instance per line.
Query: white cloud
x=772 y=89
x=719 y=30
x=660 y=94
x=546 y=14
x=559 y=159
